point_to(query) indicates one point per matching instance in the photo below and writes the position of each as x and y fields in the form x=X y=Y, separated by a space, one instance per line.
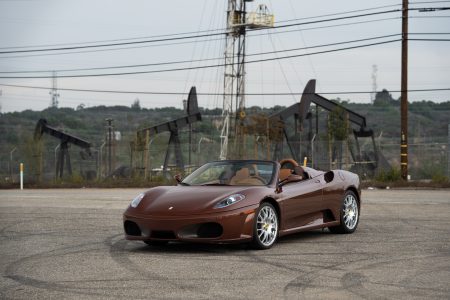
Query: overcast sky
x=32 y=23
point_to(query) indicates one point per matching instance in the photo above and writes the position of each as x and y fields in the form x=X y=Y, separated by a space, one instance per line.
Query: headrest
x=288 y=161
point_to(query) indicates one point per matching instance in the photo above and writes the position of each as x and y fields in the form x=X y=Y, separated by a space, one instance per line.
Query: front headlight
x=230 y=200
x=137 y=200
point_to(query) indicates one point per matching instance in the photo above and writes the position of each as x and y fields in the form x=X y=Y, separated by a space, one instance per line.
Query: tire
x=349 y=214
x=265 y=228
x=156 y=243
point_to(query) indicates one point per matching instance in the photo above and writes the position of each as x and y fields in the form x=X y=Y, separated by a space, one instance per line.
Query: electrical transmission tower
x=374 y=82
x=234 y=77
x=54 y=92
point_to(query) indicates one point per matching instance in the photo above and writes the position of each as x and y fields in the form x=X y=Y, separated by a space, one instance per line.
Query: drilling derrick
x=234 y=77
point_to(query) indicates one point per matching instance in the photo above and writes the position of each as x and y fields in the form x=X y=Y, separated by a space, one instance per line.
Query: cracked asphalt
x=69 y=244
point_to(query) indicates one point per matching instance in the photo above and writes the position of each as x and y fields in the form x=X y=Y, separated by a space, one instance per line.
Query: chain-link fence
x=428 y=157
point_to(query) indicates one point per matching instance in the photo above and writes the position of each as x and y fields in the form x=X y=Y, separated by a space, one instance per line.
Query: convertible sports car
x=245 y=201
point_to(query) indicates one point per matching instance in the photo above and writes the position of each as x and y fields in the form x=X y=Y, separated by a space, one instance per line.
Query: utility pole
x=404 y=95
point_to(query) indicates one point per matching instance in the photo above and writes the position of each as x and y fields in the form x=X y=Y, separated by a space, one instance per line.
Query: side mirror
x=178 y=178
x=329 y=176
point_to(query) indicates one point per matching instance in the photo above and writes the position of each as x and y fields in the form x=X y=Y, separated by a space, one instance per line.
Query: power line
x=195 y=41
x=429 y=17
x=428 y=2
x=429 y=33
x=210 y=94
x=202 y=67
x=194 y=32
x=430 y=40
x=430 y=9
x=191 y=36
x=197 y=60
x=341 y=13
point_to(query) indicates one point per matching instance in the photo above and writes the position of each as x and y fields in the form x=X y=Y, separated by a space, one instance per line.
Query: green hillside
x=428 y=123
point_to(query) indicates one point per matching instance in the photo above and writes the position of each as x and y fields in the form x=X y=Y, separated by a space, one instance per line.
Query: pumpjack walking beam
x=65 y=139
x=300 y=112
x=174 y=146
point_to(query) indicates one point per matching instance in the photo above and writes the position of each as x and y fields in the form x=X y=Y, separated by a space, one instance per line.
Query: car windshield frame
x=233 y=167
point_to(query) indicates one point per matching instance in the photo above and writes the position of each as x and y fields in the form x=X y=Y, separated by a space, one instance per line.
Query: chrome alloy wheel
x=267 y=225
x=350 y=211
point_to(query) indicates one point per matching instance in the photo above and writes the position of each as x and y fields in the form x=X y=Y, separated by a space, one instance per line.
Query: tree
x=136 y=105
x=338 y=131
x=383 y=98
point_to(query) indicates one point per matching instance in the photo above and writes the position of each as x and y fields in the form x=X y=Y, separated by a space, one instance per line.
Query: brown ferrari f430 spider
x=245 y=201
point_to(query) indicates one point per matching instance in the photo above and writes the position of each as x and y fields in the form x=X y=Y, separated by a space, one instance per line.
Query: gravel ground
x=69 y=244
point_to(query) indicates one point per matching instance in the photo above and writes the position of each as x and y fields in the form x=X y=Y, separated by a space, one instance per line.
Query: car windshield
x=252 y=173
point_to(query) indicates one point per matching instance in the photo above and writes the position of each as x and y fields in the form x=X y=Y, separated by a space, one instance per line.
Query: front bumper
x=223 y=227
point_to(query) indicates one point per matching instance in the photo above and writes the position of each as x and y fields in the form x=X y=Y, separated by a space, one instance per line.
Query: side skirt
x=311 y=226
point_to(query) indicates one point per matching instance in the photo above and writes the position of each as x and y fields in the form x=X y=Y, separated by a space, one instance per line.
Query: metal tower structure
x=54 y=92
x=374 y=82
x=234 y=77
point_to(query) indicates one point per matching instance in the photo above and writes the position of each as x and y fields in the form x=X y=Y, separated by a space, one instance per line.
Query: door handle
x=317 y=181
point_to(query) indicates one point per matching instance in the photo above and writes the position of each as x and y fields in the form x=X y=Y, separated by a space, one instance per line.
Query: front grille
x=131 y=228
x=159 y=234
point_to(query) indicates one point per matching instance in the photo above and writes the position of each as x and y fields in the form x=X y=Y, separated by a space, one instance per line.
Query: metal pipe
x=11 y=163
x=198 y=147
x=149 y=160
x=312 y=150
x=56 y=161
x=101 y=160
x=448 y=152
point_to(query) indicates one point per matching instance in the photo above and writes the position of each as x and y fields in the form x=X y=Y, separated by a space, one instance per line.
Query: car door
x=302 y=203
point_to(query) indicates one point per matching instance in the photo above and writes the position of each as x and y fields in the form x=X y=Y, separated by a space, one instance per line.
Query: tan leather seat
x=242 y=177
x=284 y=173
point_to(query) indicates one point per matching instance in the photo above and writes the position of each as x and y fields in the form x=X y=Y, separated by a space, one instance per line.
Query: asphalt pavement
x=69 y=244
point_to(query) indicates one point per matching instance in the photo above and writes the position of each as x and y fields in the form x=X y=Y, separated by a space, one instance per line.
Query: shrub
x=393 y=174
x=440 y=178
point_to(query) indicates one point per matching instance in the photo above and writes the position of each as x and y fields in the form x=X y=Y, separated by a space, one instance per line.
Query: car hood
x=191 y=200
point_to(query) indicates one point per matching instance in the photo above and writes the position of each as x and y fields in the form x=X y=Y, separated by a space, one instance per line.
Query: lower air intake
x=159 y=234
x=209 y=230
x=131 y=228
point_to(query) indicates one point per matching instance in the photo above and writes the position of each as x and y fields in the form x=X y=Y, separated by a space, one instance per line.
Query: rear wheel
x=349 y=214
x=266 y=226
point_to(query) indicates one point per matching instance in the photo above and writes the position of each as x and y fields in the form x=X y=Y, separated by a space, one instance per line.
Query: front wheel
x=349 y=214
x=266 y=227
